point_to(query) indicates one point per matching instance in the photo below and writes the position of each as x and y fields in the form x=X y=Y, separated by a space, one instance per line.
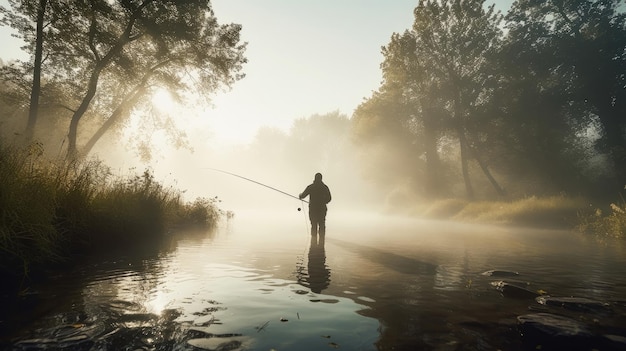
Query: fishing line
x=306 y=223
x=254 y=181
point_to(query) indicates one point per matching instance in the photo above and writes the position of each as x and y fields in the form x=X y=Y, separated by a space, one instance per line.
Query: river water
x=260 y=282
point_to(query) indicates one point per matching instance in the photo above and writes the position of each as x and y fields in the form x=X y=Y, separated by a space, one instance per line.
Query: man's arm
x=305 y=193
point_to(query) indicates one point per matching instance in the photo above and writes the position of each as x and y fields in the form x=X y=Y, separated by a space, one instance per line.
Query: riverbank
x=52 y=211
x=594 y=217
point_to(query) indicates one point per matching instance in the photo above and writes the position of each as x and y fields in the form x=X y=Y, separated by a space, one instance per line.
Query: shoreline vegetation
x=599 y=218
x=52 y=213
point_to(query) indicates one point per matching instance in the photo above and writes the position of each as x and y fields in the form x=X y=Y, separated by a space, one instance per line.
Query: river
x=260 y=282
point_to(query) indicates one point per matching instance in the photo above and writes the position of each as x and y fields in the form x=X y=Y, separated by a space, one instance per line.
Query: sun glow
x=162 y=100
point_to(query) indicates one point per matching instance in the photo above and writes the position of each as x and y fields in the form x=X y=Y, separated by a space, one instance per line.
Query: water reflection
x=395 y=285
x=316 y=274
x=199 y=294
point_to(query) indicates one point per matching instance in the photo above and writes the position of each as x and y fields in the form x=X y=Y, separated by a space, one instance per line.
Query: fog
x=516 y=127
x=284 y=160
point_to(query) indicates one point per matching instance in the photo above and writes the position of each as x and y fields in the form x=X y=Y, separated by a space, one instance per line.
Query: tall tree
x=583 y=43
x=29 y=18
x=34 y=95
x=456 y=38
x=403 y=114
x=439 y=72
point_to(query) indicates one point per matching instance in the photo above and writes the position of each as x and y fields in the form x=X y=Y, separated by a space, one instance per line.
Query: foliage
x=574 y=51
x=611 y=224
x=104 y=59
x=50 y=210
x=435 y=76
x=537 y=108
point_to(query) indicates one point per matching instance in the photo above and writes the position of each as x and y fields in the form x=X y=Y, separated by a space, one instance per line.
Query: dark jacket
x=319 y=195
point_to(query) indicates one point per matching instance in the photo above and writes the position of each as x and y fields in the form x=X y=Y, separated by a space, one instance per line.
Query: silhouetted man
x=319 y=196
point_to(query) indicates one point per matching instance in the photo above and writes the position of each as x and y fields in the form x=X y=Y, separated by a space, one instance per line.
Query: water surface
x=260 y=282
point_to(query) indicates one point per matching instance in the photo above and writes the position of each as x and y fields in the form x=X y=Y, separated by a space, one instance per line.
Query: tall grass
x=27 y=210
x=51 y=210
x=608 y=223
x=550 y=211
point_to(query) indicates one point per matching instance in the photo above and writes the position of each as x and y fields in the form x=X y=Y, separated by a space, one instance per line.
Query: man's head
x=318 y=177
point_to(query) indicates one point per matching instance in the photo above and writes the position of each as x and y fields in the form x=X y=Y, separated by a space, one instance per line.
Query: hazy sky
x=305 y=57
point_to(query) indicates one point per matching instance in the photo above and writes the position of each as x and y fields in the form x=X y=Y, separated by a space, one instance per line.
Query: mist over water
x=375 y=282
x=197 y=173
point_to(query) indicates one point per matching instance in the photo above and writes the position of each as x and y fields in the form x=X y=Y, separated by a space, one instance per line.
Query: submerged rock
x=578 y=304
x=514 y=291
x=222 y=344
x=498 y=273
x=547 y=331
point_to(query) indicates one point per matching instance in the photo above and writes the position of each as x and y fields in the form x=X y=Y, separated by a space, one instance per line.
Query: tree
x=135 y=47
x=457 y=38
x=396 y=124
x=35 y=91
x=439 y=74
x=580 y=44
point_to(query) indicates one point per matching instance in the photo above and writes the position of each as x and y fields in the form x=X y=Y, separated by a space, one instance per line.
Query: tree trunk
x=100 y=64
x=458 y=123
x=433 y=162
x=613 y=138
x=123 y=108
x=36 y=88
x=487 y=173
x=72 y=150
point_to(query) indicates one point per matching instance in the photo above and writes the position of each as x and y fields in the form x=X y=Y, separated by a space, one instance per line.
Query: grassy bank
x=607 y=219
x=51 y=211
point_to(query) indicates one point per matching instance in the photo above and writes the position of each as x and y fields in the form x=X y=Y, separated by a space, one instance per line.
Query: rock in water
x=547 y=331
x=578 y=304
x=497 y=273
x=514 y=291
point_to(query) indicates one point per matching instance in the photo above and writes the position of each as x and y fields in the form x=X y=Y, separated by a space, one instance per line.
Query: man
x=319 y=196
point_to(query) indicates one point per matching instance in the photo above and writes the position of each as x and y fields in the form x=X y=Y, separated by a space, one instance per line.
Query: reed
x=52 y=210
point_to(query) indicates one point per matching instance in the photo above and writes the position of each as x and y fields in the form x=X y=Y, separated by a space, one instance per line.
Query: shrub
x=612 y=224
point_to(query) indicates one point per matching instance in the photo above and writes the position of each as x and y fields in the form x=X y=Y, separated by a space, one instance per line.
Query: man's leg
x=313 y=216
x=322 y=222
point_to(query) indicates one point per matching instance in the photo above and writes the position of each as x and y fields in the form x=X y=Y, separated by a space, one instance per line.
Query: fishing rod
x=259 y=183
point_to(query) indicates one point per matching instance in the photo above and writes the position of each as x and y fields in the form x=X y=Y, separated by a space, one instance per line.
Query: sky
x=305 y=57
